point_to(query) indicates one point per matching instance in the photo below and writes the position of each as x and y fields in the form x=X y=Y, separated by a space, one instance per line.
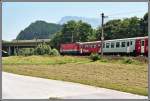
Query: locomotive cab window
x=107 y=45
x=117 y=44
x=123 y=44
x=112 y=45
x=142 y=43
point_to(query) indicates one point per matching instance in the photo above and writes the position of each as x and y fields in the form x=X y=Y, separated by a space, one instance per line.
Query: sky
x=16 y=16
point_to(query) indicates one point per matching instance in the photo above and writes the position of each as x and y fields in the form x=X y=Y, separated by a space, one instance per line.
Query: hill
x=94 y=22
x=39 y=30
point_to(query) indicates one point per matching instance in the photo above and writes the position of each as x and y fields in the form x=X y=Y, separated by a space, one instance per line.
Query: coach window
x=86 y=46
x=142 y=43
x=107 y=45
x=90 y=46
x=123 y=44
x=103 y=45
x=117 y=44
x=128 y=43
x=112 y=45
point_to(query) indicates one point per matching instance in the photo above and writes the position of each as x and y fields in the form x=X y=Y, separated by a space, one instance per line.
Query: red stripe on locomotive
x=69 y=47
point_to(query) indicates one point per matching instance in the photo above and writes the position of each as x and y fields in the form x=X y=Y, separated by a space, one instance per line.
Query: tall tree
x=144 y=24
x=74 y=31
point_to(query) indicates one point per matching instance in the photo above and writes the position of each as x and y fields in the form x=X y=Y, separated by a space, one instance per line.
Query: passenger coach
x=133 y=46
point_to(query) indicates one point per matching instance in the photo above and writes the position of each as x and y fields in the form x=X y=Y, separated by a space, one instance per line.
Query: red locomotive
x=136 y=46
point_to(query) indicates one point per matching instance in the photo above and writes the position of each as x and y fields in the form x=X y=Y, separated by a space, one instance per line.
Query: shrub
x=54 y=52
x=95 y=57
x=104 y=60
x=42 y=49
x=26 y=51
x=128 y=60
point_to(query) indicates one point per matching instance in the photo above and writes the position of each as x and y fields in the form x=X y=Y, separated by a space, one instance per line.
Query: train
x=130 y=46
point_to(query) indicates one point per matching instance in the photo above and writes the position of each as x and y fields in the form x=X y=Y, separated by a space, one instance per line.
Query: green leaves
x=42 y=49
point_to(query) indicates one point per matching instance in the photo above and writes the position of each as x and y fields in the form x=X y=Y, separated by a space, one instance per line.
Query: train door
x=128 y=46
x=142 y=45
x=146 y=47
x=99 y=46
x=138 y=46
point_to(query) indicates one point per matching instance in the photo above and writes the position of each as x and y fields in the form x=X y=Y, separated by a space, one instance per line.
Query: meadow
x=126 y=74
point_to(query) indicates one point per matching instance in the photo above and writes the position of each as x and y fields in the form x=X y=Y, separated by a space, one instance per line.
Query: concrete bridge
x=12 y=46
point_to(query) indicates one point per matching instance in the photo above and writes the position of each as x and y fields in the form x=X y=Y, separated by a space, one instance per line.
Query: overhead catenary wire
x=122 y=13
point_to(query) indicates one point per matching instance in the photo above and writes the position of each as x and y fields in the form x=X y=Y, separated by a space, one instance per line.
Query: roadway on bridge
x=25 y=87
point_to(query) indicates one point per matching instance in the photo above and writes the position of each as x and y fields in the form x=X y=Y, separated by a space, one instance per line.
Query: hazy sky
x=17 y=16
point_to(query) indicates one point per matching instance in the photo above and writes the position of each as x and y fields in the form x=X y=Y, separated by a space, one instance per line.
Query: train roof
x=88 y=42
x=128 y=38
x=113 y=40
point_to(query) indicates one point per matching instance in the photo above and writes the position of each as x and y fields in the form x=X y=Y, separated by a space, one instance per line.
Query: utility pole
x=102 y=31
x=72 y=37
x=149 y=43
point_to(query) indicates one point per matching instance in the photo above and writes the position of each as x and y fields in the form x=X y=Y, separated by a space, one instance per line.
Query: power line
x=137 y=11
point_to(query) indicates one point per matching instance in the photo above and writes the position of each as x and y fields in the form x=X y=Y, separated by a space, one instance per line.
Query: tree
x=56 y=40
x=78 y=31
x=144 y=24
x=83 y=31
x=116 y=29
x=74 y=31
x=69 y=31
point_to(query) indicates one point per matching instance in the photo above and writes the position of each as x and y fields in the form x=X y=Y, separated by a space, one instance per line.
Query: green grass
x=107 y=73
x=42 y=60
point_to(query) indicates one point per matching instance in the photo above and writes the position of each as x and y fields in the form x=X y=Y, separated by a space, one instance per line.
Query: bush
x=128 y=60
x=54 y=52
x=95 y=57
x=26 y=51
x=104 y=60
x=42 y=49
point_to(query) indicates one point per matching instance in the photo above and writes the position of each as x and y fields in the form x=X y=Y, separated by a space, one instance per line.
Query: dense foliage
x=129 y=27
x=78 y=31
x=41 y=49
x=72 y=31
x=39 y=30
x=95 y=57
x=25 y=51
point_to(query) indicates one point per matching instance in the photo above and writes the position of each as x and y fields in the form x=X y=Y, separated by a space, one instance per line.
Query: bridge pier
x=9 y=50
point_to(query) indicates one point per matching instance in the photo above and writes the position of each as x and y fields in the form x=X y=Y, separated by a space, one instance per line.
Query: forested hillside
x=39 y=30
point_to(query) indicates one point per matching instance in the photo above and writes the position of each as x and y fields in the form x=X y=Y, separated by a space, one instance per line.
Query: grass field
x=113 y=73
